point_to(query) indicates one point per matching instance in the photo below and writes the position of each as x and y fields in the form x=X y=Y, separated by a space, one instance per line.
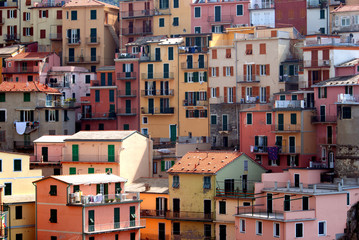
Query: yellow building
x=90 y=33
x=19 y=194
x=197 y=179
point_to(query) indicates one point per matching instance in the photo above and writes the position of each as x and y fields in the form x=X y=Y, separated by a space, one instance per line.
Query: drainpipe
x=35 y=211
x=237 y=116
x=9 y=220
x=83 y=223
x=178 y=91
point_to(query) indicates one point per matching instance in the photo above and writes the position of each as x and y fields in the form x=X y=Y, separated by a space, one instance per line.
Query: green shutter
x=98 y=188
x=205 y=76
x=112 y=96
x=2 y=97
x=195 y=77
x=163 y=166
x=27 y=97
x=116 y=217
x=111 y=153
x=187 y=114
x=132 y=216
x=293 y=118
x=172 y=163
x=185 y=77
x=75 y=153
x=72 y=170
x=90 y=170
x=256 y=141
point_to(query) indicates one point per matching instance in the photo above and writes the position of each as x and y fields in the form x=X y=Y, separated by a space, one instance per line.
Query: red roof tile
x=26 y=87
x=204 y=162
x=30 y=56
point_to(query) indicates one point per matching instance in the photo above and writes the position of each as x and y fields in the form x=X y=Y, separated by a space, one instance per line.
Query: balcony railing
x=249 y=78
x=11 y=37
x=136 y=31
x=25 y=145
x=153 y=213
x=194 y=103
x=77 y=199
x=324 y=119
x=220 y=19
x=98 y=115
x=8 y=4
x=289 y=104
x=317 y=63
x=90 y=157
x=263 y=6
x=118 y=226
x=158 y=92
x=194 y=49
x=194 y=65
x=183 y=215
x=153 y=111
x=137 y=14
x=157 y=76
x=21 y=69
x=235 y=188
x=42 y=158
x=126 y=75
x=92 y=40
x=260 y=149
x=74 y=41
x=55 y=36
x=275 y=214
x=87 y=59
x=286 y=127
x=347 y=98
x=289 y=149
x=126 y=55
x=98 y=83
x=290 y=79
x=127 y=93
x=127 y=111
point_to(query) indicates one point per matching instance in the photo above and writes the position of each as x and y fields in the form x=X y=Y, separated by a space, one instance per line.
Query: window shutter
x=210 y=72
x=208 y=92
x=163 y=166
x=244 y=70
x=46 y=115
x=8 y=30
x=268 y=69
x=257 y=69
x=131 y=67
x=187 y=114
x=310 y=78
x=124 y=67
x=325 y=92
x=205 y=76
x=253 y=69
x=256 y=141
x=15 y=13
x=255 y=91
x=288 y=160
x=225 y=94
x=31 y=31
x=231 y=70
x=185 y=77
x=319 y=92
x=24 y=16
x=21 y=116
x=8 y=13
x=296 y=160
x=15 y=30
x=195 y=76
x=243 y=92
x=23 y=31
x=39 y=13
x=172 y=163
x=214 y=52
x=217 y=71
x=78 y=33
x=224 y=71
x=47 y=13
x=56 y=115
x=234 y=95
x=267 y=93
x=217 y=91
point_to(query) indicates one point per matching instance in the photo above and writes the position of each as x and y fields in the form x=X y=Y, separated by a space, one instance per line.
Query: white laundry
x=20 y=127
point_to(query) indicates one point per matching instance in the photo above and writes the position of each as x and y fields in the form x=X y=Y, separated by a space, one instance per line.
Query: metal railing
x=21 y=69
x=157 y=76
x=290 y=79
x=153 y=213
x=220 y=19
x=74 y=41
x=55 y=36
x=194 y=65
x=138 y=13
x=324 y=118
x=8 y=4
x=317 y=63
x=51 y=159
x=87 y=59
x=289 y=149
x=249 y=78
x=118 y=226
x=286 y=127
x=157 y=92
x=126 y=75
x=99 y=83
x=259 y=213
x=169 y=110
x=262 y=6
x=347 y=98
x=94 y=157
x=98 y=115
x=77 y=199
x=186 y=215
x=126 y=111
x=127 y=93
x=136 y=31
x=92 y=40
x=11 y=37
x=195 y=103
x=236 y=188
x=289 y=104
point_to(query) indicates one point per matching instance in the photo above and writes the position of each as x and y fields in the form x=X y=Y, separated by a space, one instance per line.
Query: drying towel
x=273 y=153
x=20 y=127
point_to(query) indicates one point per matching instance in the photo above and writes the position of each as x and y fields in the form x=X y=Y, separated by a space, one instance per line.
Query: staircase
x=114 y=35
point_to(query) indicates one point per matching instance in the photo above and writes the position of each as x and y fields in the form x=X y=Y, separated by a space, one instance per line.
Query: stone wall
x=347 y=161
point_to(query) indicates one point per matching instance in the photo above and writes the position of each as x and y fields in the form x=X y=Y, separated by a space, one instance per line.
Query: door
x=173 y=133
x=128 y=106
x=314 y=58
x=217 y=13
x=45 y=155
x=91 y=220
x=116 y=217
x=329 y=135
x=286 y=202
x=292 y=145
x=161 y=231
x=189 y=61
x=71 y=54
x=207 y=209
x=280 y=122
x=225 y=141
x=269 y=203
x=322 y=113
x=331 y=159
x=130 y=27
x=296 y=180
x=59 y=31
x=132 y=216
x=128 y=88
x=278 y=142
x=229 y=186
x=158 y=54
x=201 y=61
x=222 y=232
x=150 y=106
x=75 y=153
x=176 y=207
x=244 y=183
x=93 y=54
x=130 y=9
x=305 y=203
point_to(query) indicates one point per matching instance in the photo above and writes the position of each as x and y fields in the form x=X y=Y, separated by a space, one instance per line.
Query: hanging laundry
x=20 y=127
x=273 y=153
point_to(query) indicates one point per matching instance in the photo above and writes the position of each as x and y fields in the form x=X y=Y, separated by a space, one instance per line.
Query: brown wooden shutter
x=243 y=92
x=217 y=71
x=273 y=33
x=47 y=13
x=234 y=95
x=224 y=71
x=208 y=92
x=23 y=31
x=217 y=91
x=258 y=69
x=268 y=69
x=325 y=75
x=39 y=13
x=262 y=48
x=24 y=16
x=0 y=31
x=31 y=31
x=253 y=69
x=8 y=30
x=210 y=72
x=214 y=53
x=59 y=14
x=231 y=71
x=309 y=78
x=244 y=71
x=15 y=30
x=320 y=76
x=267 y=93
x=326 y=54
x=255 y=91
x=225 y=94
x=228 y=53
x=15 y=13
x=8 y=13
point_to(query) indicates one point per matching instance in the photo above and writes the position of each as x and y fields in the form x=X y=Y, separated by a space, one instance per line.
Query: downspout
x=178 y=90
x=83 y=223
x=9 y=220
x=237 y=116
x=35 y=211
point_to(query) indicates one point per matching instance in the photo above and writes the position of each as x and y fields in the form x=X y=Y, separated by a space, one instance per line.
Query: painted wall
x=262 y=17
x=314 y=22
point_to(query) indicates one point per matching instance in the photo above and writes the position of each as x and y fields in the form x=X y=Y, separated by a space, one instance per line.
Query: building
x=18 y=195
x=291 y=14
x=317 y=17
x=262 y=13
x=91 y=32
x=10 y=19
x=345 y=22
x=7 y=52
x=294 y=204
x=347 y=68
x=88 y=207
x=197 y=178
x=128 y=153
x=30 y=110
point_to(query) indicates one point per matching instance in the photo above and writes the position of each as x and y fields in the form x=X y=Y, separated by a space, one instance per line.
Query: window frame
x=175 y=181
x=324 y=228
x=275 y=233
x=200 y=12
x=259 y=223
x=53 y=190
x=207 y=182
x=17 y=159
x=295 y=230
x=242 y=225
x=271 y=118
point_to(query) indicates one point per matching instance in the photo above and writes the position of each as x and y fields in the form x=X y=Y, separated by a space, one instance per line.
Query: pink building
x=294 y=204
x=216 y=15
x=30 y=66
x=347 y=68
x=88 y=207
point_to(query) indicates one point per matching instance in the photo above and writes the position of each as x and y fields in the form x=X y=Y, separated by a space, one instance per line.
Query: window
x=197 y=29
x=322 y=92
x=248 y=49
x=286 y=202
x=206 y=182
x=18 y=236
x=53 y=190
x=175 y=21
x=299 y=230
x=59 y=14
x=207 y=231
x=293 y=118
x=269 y=118
x=8 y=189
x=76 y=188
x=91 y=170
x=345 y=21
x=349 y=90
x=53 y=216
x=175 y=182
x=242 y=226
x=262 y=48
x=72 y=171
x=214 y=92
x=228 y=53
x=322 y=14
x=27 y=97
x=27 y=32
x=214 y=53
x=73 y=15
x=322 y=228
x=97 y=95
x=17 y=165
x=348 y=199
x=305 y=203
x=43 y=33
x=197 y=12
x=259 y=228
x=249 y=118
x=164 y=4
x=222 y=207
x=175 y=3
x=170 y=53
x=2 y=97
x=43 y=13
x=240 y=10
x=108 y=170
x=144 y=131
x=18 y=212
x=165 y=165
x=263 y=94
x=12 y=13
x=347 y=112
x=3 y=115
x=214 y=72
x=52 y=115
x=0 y=165
x=262 y=70
x=144 y=120
x=176 y=228
x=202 y=77
x=161 y=22
x=27 y=16
x=276 y=230
x=93 y=14
x=88 y=79
x=53 y=238
x=213 y=119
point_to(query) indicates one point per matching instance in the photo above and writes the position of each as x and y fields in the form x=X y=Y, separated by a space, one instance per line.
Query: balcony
x=136 y=31
x=96 y=116
x=137 y=14
x=157 y=93
x=317 y=63
x=150 y=58
x=127 y=111
x=286 y=127
x=289 y=104
x=127 y=93
x=126 y=76
x=76 y=199
x=73 y=41
x=220 y=19
x=260 y=149
x=8 y=4
x=153 y=213
x=126 y=55
x=190 y=216
x=289 y=149
x=21 y=69
x=23 y=145
x=11 y=37
x=324 y=119
x=82 y=60
x=156 y=111
x=91 y=157
x=157 y=76
x=327 y=141
x=263 y=5
x=193 y=49
x=194 y=103
x=194 y=65
x=55 y=36
x=98 y=83
x=48 y=4
x=249 y=78
x=275 y=215
x=235 y=188
x=115 y=226
x=92 y=40
x=290 y=79
x=46 y=159
x=347 y=99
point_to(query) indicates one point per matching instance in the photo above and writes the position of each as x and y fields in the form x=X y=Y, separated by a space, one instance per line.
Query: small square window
x=161 y=22
x=249 y=118
x=93 y=14
x=347 y=113
x=144 y=120
x=53 y=190
x=299 y=230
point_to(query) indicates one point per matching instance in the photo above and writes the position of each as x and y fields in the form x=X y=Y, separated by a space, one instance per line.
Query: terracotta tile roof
x=88 y=3
x=204 y=162
x=346 y=8
x=26 y=87
x=349 y=63
x=29 y=56
x=339 y=81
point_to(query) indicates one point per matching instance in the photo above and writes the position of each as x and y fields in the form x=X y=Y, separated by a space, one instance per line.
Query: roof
x=209 y=162
x=112 y=136
x=339 y=81
x=7 y=51
x=87 y=179
x=156 y=185
x=51 y=139
x=145 y=40
x=106 y=68
x=350 y=63
x=33 y=56
x=346 y=8
x=88 y=3
x=26 y=87
x=19 y=198
x=171 y=41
